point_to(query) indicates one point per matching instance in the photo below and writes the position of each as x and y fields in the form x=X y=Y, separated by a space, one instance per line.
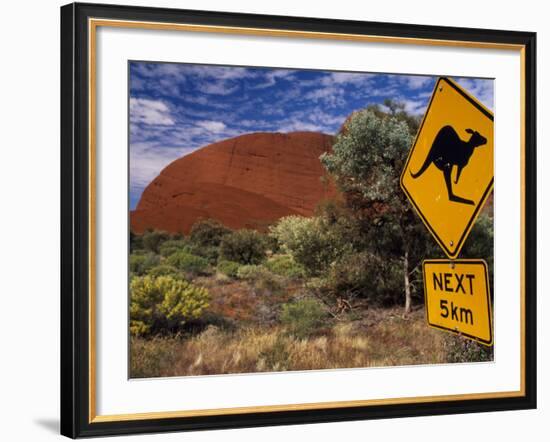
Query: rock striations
x=245 y=182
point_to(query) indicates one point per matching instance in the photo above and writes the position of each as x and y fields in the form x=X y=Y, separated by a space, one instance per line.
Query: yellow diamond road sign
x=458 y=297
x=449 y=172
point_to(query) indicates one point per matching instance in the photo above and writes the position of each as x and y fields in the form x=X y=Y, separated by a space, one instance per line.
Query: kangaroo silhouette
x=449 y=150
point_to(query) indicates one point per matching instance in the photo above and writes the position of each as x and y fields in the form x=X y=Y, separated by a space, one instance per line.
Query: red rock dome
x=248 y=181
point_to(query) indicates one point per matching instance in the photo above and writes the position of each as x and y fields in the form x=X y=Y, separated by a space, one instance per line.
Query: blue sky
x=178 y=108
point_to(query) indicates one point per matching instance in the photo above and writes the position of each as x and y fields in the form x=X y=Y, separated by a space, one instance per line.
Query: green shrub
x=480 y=240
x=284 y=265
x=311 y=241
x=259 y=277
x=188 y=263
x=163 y=270
x=480 y=243
x=172 y=246
x=136 y=242
x=303 y=318
x=210 y=253
x=250 y=272
x=229 y=268
x=163 y=303
x=367 y=276
x=140 y=263
x=152 y=240
x=272 y=245
x=207 y=233
x=243 y=246
x=460 y=349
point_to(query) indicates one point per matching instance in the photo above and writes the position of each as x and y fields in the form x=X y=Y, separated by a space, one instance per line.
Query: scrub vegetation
x=340 y=289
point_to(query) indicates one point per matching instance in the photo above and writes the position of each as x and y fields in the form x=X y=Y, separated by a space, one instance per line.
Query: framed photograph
x=273 y=220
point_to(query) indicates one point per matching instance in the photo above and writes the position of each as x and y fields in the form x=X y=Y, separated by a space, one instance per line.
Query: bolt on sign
x=448 y=175
x=458 y=297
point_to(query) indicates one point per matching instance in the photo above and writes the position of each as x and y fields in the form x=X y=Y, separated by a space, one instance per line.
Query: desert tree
x=366 y=162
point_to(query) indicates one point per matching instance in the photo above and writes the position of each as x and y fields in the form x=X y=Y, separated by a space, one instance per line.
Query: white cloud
x=152 y=112
x=218 y=88
x=300 y=126
x=426 y=94
x=270 y=78
x=415 y=107
x=212 y=126
x=343 y=78
x=225 y=72
x=319 y=116
x=147 y=160
x=219 y=80
x=330 y=95
x=330 y=89
x=166 y=78
x=194 y=135
x=482 y=89
x=137 y=83
x=418 y=81
x=383 y=91
x=255 y=124
x=155 y=70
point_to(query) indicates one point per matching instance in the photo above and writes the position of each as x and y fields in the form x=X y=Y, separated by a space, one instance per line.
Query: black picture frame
x=76 y=418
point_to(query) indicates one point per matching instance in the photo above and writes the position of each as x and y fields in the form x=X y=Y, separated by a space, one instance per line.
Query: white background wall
x=29 y=234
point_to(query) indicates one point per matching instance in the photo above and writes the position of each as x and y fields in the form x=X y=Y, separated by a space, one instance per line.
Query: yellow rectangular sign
x=458 y=297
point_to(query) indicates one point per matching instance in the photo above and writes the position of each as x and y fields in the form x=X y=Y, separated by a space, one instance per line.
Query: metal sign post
x=447 y=178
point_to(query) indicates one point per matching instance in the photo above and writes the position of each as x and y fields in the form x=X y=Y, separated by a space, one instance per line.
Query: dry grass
x=383 y=338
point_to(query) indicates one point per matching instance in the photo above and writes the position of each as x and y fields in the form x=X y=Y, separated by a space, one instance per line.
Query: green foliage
x=188 y=263
x=303 y=317
x=260 y=277
x=366 y=162
x=284 y=265
x=207 y=233
x=368 y=156
x=243 y=246
x=152 y=240
x=140 y=263
x=136 y=242
x=250 y=271
x=163 y=303
x=210 y=253
x=311 y=242
x=205 y=238
x=163 y=270
x=272 y=245
x=366 y=276
x=229 y=268
x=172 y=246
x=397 y=110
x=480 y=243
x=460 y=349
